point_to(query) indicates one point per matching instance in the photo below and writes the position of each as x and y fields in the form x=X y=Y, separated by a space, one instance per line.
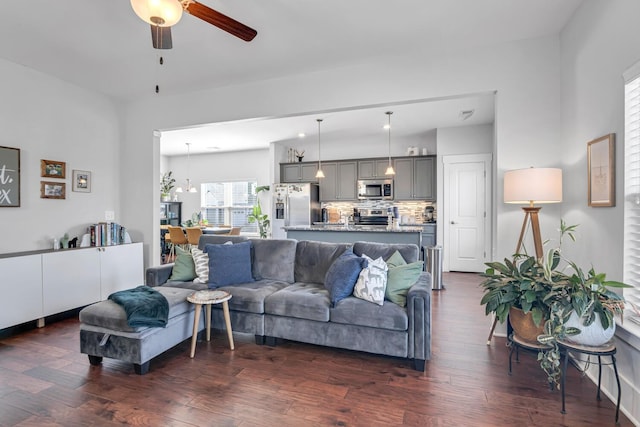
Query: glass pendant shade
x=163 y=13
x=319 y=174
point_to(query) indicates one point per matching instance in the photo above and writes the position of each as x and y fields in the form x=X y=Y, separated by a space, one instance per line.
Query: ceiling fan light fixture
x=163 y=13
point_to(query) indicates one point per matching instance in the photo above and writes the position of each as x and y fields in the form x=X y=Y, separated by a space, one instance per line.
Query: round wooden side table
x=207 y=298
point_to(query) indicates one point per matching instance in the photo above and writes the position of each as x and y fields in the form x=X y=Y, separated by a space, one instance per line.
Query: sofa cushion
x=354 y=311
x=342 y=275
x=409 y=252
x=110 y=315
x=201 y=263
x=229 y=264
x=184 y=268
x=250 y=297
x=400 y=277
x=372 y=281
x=313 y=259
x=218 y=239
x=274 y=259
x=300 y=300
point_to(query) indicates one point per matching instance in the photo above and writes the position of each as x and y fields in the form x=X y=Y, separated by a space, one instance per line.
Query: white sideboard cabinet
x=39 y=285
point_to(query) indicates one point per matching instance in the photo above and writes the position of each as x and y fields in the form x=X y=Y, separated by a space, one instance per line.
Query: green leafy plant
x=256 y=215
x=167 y=182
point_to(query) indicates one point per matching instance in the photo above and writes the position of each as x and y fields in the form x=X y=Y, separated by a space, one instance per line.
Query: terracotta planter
x=524 y=326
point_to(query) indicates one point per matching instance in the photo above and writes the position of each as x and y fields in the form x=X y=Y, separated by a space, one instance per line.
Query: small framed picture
x=601 y=171
x=53 y=169
x=52 y=190
x=81 y=181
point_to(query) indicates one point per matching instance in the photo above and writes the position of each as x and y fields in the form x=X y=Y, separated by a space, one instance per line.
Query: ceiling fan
x=162 y=14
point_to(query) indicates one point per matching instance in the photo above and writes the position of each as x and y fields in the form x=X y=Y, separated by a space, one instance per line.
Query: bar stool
x=193 y=235
x=608 y=349
x=235 y=231
x=177 y=238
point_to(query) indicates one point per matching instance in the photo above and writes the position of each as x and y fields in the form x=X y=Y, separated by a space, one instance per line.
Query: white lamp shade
x=533 y=185
x=170 y=11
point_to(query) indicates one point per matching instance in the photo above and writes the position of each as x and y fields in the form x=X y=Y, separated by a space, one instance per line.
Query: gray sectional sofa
x=288 y=299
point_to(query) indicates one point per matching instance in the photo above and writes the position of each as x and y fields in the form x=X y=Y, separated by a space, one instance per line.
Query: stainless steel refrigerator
x=294 y=205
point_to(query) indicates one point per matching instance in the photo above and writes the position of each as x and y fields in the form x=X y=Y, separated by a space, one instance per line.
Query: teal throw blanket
x=144 y=306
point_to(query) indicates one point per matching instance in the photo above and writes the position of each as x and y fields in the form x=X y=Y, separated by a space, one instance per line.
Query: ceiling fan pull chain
x=160 y=63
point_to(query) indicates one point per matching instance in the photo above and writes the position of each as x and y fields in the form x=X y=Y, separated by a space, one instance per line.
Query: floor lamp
x=530 y=186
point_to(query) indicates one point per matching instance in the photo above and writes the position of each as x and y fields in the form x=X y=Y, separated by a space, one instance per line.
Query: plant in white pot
x=167 y=182
x=582 y=307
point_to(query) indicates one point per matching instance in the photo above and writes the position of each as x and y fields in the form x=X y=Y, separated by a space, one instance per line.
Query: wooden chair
x=193 y=235
x=235 y=231
x=178 y=238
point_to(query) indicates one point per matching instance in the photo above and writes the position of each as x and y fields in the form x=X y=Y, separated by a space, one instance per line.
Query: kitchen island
x=351 y=234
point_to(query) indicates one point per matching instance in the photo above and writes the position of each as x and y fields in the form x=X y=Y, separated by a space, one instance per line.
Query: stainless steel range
x=370 y=217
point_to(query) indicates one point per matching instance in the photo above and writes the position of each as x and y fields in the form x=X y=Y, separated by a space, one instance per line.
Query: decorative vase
x=524 y=326
x=593 y=335
x=165 y=197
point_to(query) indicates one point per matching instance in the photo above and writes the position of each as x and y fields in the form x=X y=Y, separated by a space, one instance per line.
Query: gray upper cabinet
x=415 y=178
x=298 y=172
x=372 y=168
x=339 y=182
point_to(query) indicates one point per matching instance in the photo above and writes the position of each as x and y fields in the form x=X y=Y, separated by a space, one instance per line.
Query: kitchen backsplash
x=414 y=211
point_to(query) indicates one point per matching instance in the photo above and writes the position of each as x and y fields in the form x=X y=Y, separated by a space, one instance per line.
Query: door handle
x=453 y=222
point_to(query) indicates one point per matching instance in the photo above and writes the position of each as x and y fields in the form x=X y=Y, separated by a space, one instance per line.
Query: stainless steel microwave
x=375 y=189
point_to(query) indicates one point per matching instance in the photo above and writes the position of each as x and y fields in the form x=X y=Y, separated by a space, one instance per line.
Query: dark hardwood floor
x=45 y=381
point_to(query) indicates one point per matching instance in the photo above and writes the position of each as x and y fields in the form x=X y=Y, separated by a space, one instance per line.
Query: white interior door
x=467 y=211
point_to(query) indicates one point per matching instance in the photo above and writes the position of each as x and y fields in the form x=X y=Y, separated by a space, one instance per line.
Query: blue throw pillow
x=229 y=264
x=342 y=275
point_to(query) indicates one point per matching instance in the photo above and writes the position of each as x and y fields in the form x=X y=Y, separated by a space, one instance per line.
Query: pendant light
x=319 y=174
x=189 y=188
x=389 y=170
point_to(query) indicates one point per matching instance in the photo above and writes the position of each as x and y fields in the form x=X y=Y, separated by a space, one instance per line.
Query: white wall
x=600 y=42
x=49 y=119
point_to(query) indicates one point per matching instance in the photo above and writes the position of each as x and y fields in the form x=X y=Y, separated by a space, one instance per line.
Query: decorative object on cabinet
x=389 y=170
x=189 y=188
x=53 y=169
x=81 y=181
x=601 y=171
x=319 y=174
x=299 y=155
x=9 y=177
x=167 y=182
x=52 y=190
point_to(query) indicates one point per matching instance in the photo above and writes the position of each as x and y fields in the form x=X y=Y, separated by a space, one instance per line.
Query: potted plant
x=256 y=215
x=167 y=182
x=560 y=297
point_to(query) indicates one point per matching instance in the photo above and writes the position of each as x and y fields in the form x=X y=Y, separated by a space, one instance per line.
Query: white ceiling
x=102 y=45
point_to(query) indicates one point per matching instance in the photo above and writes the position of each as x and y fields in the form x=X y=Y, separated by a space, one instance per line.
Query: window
x=229 y=203
x=632 y=188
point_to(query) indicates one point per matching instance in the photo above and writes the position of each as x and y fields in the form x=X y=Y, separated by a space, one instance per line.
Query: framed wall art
x=81 y=181
x=601 y=171
x=52 y=190
x=53 y=169
x=9 y=177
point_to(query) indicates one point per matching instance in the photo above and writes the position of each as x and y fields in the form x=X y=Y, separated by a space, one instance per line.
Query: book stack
x=107 y=234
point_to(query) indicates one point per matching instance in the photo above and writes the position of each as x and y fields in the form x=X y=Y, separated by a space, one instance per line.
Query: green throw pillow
x=184 y=269
x=400 y=277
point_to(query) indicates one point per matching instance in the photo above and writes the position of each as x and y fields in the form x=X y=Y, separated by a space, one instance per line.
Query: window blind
x=631 y=273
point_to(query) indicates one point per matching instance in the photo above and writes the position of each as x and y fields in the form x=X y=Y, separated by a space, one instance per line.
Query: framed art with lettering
x=9 y=177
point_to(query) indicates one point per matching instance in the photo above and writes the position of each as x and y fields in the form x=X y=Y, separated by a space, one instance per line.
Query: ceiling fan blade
x=161 y=37
x=221 y=21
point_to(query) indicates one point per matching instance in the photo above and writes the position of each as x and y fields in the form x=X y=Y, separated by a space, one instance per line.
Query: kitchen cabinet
x=415 y=178
x=49 y=282
x=372 y=168
x=299 y=172
x=339 y=183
